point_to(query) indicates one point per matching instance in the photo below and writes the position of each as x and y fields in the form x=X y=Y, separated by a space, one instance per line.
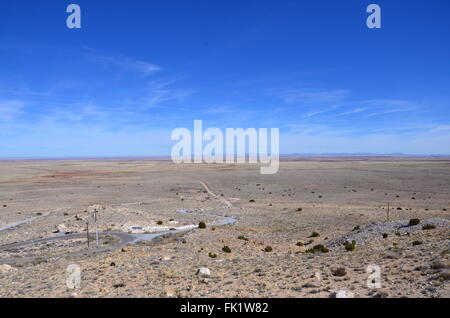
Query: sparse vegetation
x=212 y=255
x=340 y=271
x=413 y=222
x=398 y=234
x=242 y=237
x=226 y=249
x=159 y=222
x=251 y=201
x=314 y=234
x=356 y=228
x=415 y=243
x=309 y=242
x=350 y=246
x=317 y=248
x=299 y=210
x=300 y=244
x=445 y=252
x=428 y=227
x=268 y=249
x=385 y=235
x=202 y=225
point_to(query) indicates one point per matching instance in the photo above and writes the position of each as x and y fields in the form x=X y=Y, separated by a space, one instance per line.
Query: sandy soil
x=330 y=196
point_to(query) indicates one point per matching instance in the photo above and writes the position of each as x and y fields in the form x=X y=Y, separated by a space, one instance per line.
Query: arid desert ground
x=310 y=230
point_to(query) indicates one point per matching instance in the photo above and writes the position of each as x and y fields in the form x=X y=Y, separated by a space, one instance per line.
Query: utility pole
x=96 y=227
x=87 y=232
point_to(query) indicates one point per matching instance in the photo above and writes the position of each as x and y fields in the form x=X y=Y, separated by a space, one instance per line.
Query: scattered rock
x=5 y=268
x=204 y=272
x=342 y=294
x=63 y=229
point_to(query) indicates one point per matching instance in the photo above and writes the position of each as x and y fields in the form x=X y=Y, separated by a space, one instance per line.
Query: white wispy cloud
x=122 y=63
x=312 y=96
x=160 y=91
x=354 y=111
x=9 y=109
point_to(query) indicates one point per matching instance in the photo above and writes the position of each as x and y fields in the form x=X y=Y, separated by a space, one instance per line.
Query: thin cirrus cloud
x=121 y=63
x=310 y=95
x=9 y=109
x=354 y=111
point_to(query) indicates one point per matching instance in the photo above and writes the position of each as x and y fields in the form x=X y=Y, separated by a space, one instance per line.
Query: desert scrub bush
x=212 y=255
x=417 y=243
x=242 y=237
x=159 y=222
x=340 y=271
x=300 y=244
x=318 y=248
x=428 y=227
x=356 y=228
x=350 y=246
x=268 y=249
x=394 y=244
x=314 y=234
x=226 y=249
x=299 y=210
x=385 y=235
x=309 y=242
x=202 y=225
x=39 y=260
x=398 y=234
x=445 y=252
x=413 y=222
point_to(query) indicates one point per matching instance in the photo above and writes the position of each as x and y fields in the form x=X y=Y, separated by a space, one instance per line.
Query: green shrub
x=202 y=225
x=159 y=222
x=226 y=249
x=242 y=237
x=317 y=248
x=268 y=249
x=350 y=246
x=428 y=227
x=340 y=272
x=398 y=234
x=417 y=243
x=299 y=210
x=385 y=235
x=314 y=234
x=309 y=242
x=212 y=255
x=356 y=228
x=300 y=244
x=445 y=252
x=413 y=222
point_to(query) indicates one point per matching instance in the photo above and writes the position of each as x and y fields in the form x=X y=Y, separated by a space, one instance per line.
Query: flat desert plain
x=320 y=227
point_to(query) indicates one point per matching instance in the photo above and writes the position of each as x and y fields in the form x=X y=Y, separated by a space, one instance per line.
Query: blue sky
x=139 y=69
